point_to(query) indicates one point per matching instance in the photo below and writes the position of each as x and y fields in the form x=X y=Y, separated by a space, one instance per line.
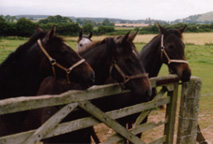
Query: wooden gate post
x=189 y=108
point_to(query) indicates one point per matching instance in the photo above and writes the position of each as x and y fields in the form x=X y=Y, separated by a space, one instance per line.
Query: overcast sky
x=126 y=9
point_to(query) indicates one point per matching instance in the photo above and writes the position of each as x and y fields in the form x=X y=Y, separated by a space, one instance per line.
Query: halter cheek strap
x=163 y=51
x=54 y=63
x=125 y=77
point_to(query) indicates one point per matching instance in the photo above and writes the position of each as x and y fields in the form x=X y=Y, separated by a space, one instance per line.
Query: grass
x=198 y=50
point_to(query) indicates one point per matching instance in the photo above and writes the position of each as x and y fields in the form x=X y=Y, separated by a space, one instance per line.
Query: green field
x=200 y=59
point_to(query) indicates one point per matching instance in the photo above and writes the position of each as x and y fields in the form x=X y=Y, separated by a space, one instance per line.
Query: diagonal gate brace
x=97 y=113
x=50 y=124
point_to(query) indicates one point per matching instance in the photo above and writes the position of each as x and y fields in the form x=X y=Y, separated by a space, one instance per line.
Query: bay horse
x=83 y=41
x=116 y=57
x=45 y=54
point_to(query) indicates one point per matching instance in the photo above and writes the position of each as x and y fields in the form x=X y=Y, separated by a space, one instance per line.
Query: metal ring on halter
x=68 y=71
x=53 y=61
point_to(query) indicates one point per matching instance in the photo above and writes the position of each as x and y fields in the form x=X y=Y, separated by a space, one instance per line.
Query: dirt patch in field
x=205 y=121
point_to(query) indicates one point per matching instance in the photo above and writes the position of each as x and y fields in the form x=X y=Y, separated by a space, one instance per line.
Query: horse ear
x=80 y=34
x=132 y=37
x=162 y=30
x=126 y=36
x=50 y=34
x=183 y=29
x=38 y=28
x=121 y=39
x=90 y=35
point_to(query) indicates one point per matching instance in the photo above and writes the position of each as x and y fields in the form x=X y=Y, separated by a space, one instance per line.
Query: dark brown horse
x=22 y=72
x=112 y=56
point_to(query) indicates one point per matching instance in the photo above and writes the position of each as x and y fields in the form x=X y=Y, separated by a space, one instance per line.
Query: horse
x=45 y=54
x=116 y=57
x=83 y=41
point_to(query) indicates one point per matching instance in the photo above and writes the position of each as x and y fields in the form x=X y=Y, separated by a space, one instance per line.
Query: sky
x=167 y=10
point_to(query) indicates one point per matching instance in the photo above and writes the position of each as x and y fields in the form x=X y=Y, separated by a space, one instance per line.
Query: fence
x=168 y=84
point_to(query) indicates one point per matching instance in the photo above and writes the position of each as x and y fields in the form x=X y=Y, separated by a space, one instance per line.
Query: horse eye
x=81 y=45
x=171 y=46
x=64 y=52
x=128 y=60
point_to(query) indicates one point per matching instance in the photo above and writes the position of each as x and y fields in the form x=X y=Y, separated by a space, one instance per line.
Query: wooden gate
x=73 y=99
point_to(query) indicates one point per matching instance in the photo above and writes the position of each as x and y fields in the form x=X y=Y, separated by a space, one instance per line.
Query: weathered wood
x=84 y=122
x=138 y=129
x=89 y=107
x=50 y=124
x=163 y=80
x=169 y=83
x=27 y=103
x=18 y=104
x=189 y=107
x=200 y=137
x=144 y=114
x=171 y=115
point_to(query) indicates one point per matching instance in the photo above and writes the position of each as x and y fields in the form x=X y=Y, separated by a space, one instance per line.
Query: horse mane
x=14 y=56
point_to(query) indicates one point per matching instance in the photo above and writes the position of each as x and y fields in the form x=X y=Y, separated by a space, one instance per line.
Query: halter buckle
x=52 y=61
x=68 y=71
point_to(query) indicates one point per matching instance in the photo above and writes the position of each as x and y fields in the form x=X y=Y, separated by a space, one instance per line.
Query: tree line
x=10 y=26
x=65 y=26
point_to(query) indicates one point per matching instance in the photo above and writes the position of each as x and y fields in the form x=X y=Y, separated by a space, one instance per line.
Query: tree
x=106 y=22
x=104 y=29
x=25 y=27
x=87 y=27
x=55 y=19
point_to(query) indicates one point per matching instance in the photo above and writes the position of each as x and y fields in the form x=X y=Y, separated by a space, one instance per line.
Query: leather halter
x=54 y=63
x=126 y=78
x=163 y=51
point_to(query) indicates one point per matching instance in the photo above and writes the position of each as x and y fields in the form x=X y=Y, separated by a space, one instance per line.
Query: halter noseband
x=126 y=78
x=54 y=63
x=163 y=51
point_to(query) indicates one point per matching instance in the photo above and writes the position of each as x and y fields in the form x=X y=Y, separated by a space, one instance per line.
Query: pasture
x=199 y=53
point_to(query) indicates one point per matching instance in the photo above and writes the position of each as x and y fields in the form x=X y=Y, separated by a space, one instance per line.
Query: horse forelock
x=176 y=32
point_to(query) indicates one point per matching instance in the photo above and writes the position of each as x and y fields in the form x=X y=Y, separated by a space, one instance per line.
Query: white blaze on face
x=83 y=43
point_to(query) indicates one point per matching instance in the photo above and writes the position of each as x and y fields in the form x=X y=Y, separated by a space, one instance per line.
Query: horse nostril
x=186 y=76
x=149 y=94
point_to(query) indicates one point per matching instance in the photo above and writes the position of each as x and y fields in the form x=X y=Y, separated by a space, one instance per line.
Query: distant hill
x=199 y=18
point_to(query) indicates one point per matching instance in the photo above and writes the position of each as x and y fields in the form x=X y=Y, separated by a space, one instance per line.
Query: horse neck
x=151 y=57
x=99 y=60
x=22 y=77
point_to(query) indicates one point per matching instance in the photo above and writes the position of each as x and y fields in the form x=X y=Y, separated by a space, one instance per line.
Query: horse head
x=172 y=54
x=83 y=41
x=64 y=61
x=127 y=68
